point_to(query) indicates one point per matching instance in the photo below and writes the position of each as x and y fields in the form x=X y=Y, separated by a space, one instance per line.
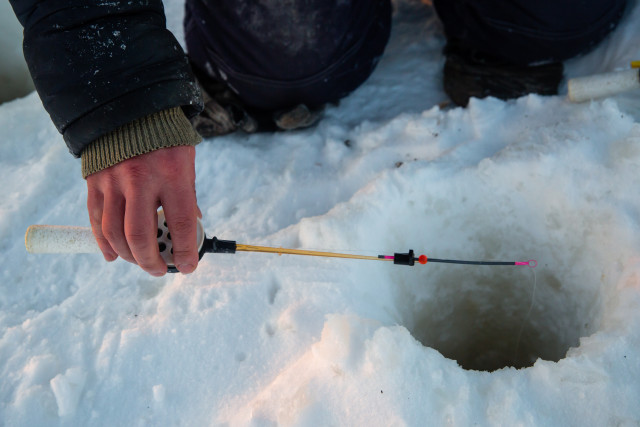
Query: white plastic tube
x=62 y=239
x=52 y=239
x=602 y=85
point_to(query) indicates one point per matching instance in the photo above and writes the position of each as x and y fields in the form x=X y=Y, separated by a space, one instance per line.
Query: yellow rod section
x=635 y=64
x=280 y=251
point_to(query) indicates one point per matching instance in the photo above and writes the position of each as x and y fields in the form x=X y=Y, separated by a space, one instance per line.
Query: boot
x=469 y=73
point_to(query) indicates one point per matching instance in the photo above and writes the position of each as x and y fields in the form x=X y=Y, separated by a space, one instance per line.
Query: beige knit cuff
x=168 y=128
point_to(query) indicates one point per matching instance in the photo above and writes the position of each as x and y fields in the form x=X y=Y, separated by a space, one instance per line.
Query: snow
x=261 y=339
x=14 y=76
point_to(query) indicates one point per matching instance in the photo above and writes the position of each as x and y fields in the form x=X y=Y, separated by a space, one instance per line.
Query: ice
x=262 y=339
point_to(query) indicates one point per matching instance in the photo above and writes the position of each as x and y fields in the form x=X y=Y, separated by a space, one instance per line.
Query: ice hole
x=479 y=316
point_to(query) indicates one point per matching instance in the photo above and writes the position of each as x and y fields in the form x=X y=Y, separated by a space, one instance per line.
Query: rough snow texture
x=266 y=339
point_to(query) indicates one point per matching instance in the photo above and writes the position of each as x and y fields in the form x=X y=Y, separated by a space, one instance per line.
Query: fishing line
x=528 y=316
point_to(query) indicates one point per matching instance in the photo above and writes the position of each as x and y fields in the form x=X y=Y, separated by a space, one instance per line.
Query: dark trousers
x=278 y=54
x=526 y=32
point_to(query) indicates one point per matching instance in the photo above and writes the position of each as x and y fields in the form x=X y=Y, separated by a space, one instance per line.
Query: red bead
x=422 y=259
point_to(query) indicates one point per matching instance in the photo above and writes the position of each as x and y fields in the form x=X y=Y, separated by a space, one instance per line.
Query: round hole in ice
x=483 y=317
x=500 y=211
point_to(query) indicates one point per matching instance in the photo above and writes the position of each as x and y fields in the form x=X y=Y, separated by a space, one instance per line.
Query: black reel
x=205 y=244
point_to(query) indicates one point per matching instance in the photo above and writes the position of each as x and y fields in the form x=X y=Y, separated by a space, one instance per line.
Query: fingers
x=140 y=230
x=95 y=201
x=183 y=229
x=181 y=207
x=113 y=226
x=122 y=203
x=181 y=211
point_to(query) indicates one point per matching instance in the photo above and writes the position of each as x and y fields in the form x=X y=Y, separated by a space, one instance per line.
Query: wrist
x=167 y=128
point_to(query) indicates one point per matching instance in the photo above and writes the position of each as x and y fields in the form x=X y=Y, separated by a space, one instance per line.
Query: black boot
x=224 y=112
x=469 y=73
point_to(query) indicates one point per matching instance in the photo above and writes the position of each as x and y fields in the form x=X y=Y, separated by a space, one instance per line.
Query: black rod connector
x=404 y=259
x=217 y=246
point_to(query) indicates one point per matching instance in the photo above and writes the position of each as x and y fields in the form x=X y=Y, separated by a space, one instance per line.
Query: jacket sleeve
x=100 y=64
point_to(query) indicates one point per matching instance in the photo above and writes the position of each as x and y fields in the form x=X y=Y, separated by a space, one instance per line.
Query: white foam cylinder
x=53 y=239
x=63 y=239
x=603 y=85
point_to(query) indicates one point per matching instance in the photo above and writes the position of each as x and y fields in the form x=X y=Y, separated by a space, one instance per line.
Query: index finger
x=181 y=213
x=95 y=201
x=141 y=231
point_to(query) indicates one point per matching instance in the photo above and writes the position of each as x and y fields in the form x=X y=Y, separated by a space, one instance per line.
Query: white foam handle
x=60 y=239
x=603 y=85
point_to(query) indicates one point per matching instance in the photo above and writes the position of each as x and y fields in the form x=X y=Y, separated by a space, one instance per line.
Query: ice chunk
x=67 y=389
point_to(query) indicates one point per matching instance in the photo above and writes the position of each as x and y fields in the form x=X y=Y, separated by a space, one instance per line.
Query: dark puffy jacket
x=99 y=64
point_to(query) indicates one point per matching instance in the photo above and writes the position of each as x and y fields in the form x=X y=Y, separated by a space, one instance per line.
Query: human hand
x=123 y=200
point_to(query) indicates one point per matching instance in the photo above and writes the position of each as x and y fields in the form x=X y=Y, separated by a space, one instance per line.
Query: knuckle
x=136 y=169
x=95 y=218
x=182 y=227
x=176 y=164
x=103 y=182
x=110 y=183
x=184 y=255
x=93 y=195
x=102 y=241
x=138 y=239
x=170 y=167
x=112 y=234
x=94 y=209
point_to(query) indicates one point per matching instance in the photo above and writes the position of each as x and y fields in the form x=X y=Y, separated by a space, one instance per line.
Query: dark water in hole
x=480 y=320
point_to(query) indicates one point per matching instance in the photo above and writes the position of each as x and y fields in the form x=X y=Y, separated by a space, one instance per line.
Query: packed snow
x=262 y=339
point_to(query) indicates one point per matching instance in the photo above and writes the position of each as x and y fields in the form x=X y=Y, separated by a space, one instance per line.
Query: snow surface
x=14 y=76
x=283 y=340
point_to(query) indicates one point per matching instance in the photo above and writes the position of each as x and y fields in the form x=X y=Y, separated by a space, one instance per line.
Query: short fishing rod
x=66 y=239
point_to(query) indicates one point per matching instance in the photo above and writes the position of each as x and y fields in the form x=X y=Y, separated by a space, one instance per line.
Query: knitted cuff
x=168 y=128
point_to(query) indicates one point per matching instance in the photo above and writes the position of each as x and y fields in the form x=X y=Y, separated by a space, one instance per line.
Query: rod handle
x=60 y=239
x=603 y=85
x=64 y=239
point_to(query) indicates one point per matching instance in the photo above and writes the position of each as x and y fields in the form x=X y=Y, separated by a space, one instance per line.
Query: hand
x=123 y=201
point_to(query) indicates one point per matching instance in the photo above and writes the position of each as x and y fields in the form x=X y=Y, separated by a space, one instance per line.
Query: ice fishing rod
x=586 y=88
x=66 y=239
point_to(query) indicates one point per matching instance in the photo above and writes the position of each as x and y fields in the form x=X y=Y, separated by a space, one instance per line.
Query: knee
x=524 y=31
x=275 y=56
